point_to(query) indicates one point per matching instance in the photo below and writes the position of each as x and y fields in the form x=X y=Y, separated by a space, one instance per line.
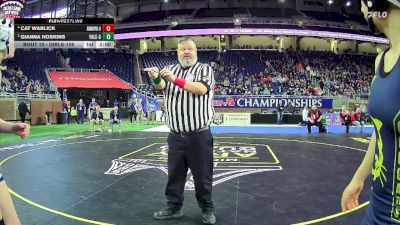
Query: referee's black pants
x=194 y=151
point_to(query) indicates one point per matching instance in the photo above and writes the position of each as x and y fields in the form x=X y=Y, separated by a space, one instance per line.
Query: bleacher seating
x=164 y=59
x=26 y=71
x=33 y=62
x=310 y=19
x=275 y=13
x=161 y=60
x=157 y=15
x=356 y=18
x=283 y=73
x=220 y=12
x=328 y=16
x=245 y=61
x=119 y=63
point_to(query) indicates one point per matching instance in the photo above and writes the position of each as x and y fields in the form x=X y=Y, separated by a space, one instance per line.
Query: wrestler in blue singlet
x=384 y=107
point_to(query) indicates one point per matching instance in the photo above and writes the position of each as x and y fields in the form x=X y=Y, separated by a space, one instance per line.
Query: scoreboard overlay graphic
x=86 y=33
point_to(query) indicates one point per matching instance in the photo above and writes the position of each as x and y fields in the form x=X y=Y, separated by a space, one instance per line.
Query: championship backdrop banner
x=271 y=102
x=148 y=103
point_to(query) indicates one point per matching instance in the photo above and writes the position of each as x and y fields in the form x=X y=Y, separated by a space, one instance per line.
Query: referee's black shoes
x=208 y=217
x=167 y=214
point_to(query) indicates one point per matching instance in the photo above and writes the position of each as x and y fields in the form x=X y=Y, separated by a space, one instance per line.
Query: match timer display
x=86 y=33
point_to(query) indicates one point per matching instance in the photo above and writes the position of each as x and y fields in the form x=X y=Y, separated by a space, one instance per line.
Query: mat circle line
x=90 y=221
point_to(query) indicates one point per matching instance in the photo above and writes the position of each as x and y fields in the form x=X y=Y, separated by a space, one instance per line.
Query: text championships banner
x=271 y=102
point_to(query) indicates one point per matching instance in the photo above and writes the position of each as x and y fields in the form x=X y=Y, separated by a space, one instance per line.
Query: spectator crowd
x=13 y=80
x=305 y=73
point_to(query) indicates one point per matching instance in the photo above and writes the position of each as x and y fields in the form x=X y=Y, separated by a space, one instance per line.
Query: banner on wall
x=271 y=102
x=333 y=119
x=232 y=119
x=148 y=103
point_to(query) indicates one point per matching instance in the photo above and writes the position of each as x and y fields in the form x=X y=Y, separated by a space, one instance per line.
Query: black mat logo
x=231 y=160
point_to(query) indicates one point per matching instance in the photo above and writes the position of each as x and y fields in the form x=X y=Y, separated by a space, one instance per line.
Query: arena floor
x=119 y=178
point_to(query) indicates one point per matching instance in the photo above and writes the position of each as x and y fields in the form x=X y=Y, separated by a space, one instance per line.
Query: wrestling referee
x=188 y=94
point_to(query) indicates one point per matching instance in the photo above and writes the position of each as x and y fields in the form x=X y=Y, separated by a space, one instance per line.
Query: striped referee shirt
x=187 y=112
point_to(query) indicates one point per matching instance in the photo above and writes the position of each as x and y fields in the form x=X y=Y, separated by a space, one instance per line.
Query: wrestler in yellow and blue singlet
x=383 y=155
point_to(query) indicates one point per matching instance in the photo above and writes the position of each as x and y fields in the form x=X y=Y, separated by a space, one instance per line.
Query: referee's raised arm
x=154 y=74
x=194 y=87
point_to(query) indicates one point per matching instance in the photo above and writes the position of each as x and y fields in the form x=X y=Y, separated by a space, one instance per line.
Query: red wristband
x=180 y=82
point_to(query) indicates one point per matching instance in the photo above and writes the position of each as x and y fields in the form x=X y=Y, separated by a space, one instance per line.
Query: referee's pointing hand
x=153 y=72
x=167 y=75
